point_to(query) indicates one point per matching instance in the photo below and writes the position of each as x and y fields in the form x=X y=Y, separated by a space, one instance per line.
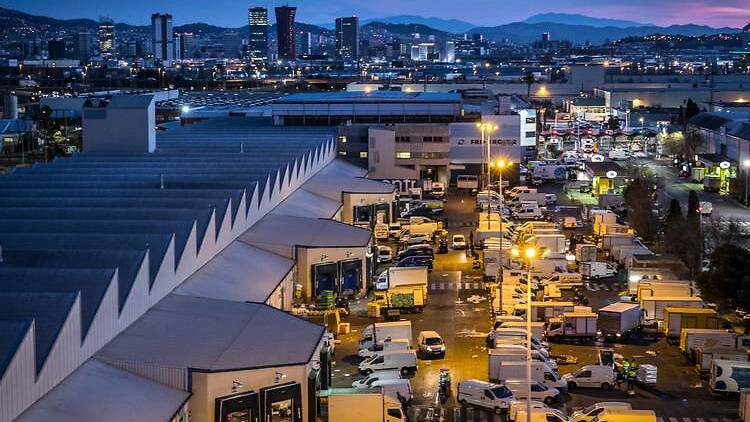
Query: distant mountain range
x=576 y=19
x=527 y=32
x=561 y=26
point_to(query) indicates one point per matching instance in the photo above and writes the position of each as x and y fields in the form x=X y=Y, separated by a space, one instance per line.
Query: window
x=531 y=120
x=531 y=134
x=403 y=139
x=363 y=139
x=379 y=359
x=584 y=374
x=403 y=155
x=427 y=139
x=553 y=418
x=342 y=153
x=488 y=394
x=342 y=139
x=363 y=154
x=394 y=413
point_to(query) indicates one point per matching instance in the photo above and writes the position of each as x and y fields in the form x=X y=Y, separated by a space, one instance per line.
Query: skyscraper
x=84 y=42
x=257 y=41
x=162 y=36
x=285 y=33
x=107 y=38
x=347 y=38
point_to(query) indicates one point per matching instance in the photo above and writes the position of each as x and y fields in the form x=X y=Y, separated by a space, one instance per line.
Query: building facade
x=347 y=38
x=257 y=41
x=162 y=36
x=106 y=37
x=285 y=32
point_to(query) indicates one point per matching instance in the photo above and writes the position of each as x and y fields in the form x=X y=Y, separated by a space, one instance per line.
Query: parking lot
x=458 y=309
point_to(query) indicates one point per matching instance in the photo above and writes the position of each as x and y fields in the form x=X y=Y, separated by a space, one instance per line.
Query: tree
x=613 y=123
x=675 y=212
x=693 y=211
x=691 y=109
x=728 y=280
x=639 y=198
x=529 y=80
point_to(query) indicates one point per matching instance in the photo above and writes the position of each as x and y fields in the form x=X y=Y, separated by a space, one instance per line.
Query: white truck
x=694 y=338
x=619 y=320
x=540 y=372
x=577 y=326
x=597 y=269
x=541 y=311
x=380 y=331
x=653 y=307
x=586 y=252
x=540 y=198
x=363 y=405
x=406 y=276
x=537 y=328
x=729 y=376
x=672 y=288
x=555 y=243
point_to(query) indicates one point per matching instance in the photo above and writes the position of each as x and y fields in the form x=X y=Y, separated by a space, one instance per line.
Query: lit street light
x=746 y=166
x=529 y=253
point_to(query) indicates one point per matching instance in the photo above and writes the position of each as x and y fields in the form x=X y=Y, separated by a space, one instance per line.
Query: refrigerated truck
x=670 y=288
x=555 y=243
x=576 y=326
x=675 y=319
x=401 y=276
x=597 y=269
x=704 y=356
x=729 y=376
x=363 y=405
x=541 y=311
x=692 y=338
x=619 y=320
x=653 y=307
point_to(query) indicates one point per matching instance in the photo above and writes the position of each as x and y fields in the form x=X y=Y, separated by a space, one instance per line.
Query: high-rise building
x=545 y=37
x=162 y=36
x=107 y=38
x=347 y=38
x=84 y=42
x=257 y=41
x=232 y=44
x=450 y=52
x=285 y=34
x=56 y=49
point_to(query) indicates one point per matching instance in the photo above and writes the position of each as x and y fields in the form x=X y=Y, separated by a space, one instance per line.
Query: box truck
x=541 y=311
x=537 y=328
x=586 y=252
x=555 y=243
x=671 y=288
x=380 y=331
x=576 y=326
x=596 y=270
x=729 y=376
x=653 y=307
x=619 y=320
x=676 y=319
x=692 y=338
x=360 y=405
x=704 y=356
x=540 y=372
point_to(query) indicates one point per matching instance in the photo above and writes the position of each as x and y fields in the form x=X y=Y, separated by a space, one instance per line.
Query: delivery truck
x=670 y=288
x=586 y=252
x=542 y=311
x=704 y=356
x=380 y=331
x=619 y=321
x=537 y=328
x=540 y=372
x=573 y=326
x=597 y=269
x=637 y=275
x=404 y=276
x=363 y=405
x=407 y=298
x=729 y=376
x=555 y=243
x=676 y=319
x=653 y=307
x=610 y=240
x=692 y=338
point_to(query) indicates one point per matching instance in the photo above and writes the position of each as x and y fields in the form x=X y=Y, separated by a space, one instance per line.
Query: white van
x=403 y=360
x=366 y=382
x=595 y=376
x=588 y=414
x=619 y=154
x=520 y=388
x=527 y=212
x=395 y=388
x=542 y=415
x=484 y=394
x=387 y=345
x=520 y=405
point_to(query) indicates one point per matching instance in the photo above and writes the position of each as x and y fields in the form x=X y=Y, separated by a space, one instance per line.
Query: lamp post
x=485 y=129
x=746 y=166
x=529 y=253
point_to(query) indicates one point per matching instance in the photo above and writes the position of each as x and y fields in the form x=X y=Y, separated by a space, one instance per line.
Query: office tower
x=285 y=34
x=305 y=43
x=188 y=45
x=84 y=42
x=56 y=49
x=107 y=38
x=177 y=48
x=450 y=52
x=257 y=41
x=162 y=36
x=347 y=38
x=232 y=44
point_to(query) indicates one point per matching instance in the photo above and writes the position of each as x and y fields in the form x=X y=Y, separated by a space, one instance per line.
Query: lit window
x=363 y=154
x=403 y=155
x=342 y=139
x=342 y=152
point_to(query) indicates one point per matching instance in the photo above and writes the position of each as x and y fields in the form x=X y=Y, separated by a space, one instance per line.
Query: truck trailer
x=573 y=326
x=619 y=320
x=693 y=338
x=363 y=405
x=675 y=319
x=653 y=307
x=380 y=331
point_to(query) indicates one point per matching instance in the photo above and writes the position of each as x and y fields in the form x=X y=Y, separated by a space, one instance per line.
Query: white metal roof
x=214 y=335
x=97 y=391
x=304 y=203
x=288 y=231
x=340 y=176
x=240 y=273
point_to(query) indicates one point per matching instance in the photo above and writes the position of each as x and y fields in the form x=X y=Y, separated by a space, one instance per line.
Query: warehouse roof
x=303 y=203
x=240 y=272
x=371 y=97
x=287 y=231
x=215 y=335
x=339 y=177
x=120 y=395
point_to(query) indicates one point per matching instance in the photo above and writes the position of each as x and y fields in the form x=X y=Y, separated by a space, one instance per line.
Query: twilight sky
x=717 y=13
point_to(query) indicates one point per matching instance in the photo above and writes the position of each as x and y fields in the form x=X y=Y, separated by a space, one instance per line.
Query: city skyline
x=718 y=13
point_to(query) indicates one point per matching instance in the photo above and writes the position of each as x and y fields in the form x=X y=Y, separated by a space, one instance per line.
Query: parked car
x=459 y=241
x=366 y=382
x=416 y=261
x=414 y=250
x=483 y=394
x=385 y=254
x=394 y=229
x=430 y=344
x=588 y=414
x=706 y=208
x=596 y=376
x=416 y=239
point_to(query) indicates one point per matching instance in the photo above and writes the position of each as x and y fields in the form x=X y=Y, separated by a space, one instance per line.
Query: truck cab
x=430 y=344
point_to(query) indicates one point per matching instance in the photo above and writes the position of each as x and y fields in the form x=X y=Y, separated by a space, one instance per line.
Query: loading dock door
x=325 y=277
x=351 y=274
x=243 y=407
x=282 y=403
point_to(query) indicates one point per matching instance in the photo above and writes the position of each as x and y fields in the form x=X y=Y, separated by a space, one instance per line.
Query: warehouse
x=98 y=247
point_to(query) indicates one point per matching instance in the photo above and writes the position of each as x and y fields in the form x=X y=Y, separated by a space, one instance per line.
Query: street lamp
x=485 y=129
x=529 y=253
x=746 y=166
